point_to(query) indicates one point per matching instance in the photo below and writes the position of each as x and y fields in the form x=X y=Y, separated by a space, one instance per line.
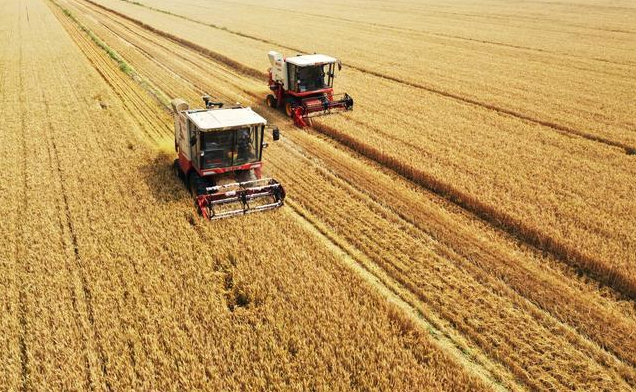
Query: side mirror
x=275 y=134
x=265 y=145
x=339 y=65
x=206 y=98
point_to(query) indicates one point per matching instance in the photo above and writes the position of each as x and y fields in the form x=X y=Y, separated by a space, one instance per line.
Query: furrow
x=20 y=252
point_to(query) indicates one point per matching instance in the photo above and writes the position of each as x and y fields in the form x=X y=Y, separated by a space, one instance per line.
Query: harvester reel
x=240 y=198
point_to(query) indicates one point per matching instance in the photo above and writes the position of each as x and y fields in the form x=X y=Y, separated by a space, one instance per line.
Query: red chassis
x=301 y=106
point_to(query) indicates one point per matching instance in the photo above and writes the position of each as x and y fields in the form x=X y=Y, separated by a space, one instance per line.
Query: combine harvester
x=220 y=159
x=303 y=85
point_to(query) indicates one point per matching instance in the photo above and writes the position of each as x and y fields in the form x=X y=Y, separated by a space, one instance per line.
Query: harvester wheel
x=196 y=185
x=197 y=207
x=271 y=101
x=177 y=169
x=289 y=109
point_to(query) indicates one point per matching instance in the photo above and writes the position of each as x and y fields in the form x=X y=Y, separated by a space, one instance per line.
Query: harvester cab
x=220 y=159
x=303 y=85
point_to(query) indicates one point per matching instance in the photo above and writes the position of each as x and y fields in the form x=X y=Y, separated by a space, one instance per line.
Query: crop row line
x=251 y=93
x=65 y=226
x=19 y=251
x=398 y=294
x=150 y=56
x=409 y=281
x=85 y=294
x=411 y=30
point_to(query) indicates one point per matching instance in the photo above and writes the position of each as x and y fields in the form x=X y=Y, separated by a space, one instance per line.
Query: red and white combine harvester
x=220 y=159
x=303 y=85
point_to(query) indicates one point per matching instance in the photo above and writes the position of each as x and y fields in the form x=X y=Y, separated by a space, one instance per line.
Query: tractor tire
x=192 y=181
x=245 y=175
x=196 y=185
x=289 y=109
x=271 y=101
x=197 y=208
x=177 y=170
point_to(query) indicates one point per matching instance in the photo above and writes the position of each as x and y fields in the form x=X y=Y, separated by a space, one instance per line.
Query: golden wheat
x=110 y=280
x=540 y=330
x=545 y=180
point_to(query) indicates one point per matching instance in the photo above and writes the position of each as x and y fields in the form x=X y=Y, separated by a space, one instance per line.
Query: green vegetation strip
x=123 y=65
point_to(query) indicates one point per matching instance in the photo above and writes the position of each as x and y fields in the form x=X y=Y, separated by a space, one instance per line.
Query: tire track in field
x=126 y=88
x=567 y=329
x=84 y=295
x=166 y=89
x=450 y=341
x=380 y=131
x=20 y=255
x=583 y=264
x=66 y=227
x=477 y=363
x=519 y=276
x=628 y=149
x=120 y=86
x=131 y=102
x=20 y=252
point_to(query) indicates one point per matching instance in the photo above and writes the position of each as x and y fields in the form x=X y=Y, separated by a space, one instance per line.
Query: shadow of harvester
x=164 y=186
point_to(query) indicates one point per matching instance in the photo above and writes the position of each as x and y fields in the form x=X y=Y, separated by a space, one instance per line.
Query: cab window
x=311 y=78
x=248 y=145
x=231 y=148
x=215 y=147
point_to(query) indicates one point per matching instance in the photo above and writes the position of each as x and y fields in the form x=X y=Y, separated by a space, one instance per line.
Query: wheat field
x=469 y=226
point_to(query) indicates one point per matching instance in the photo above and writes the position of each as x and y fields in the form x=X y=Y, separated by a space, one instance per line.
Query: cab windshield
x=230 y=148
x=311 y=77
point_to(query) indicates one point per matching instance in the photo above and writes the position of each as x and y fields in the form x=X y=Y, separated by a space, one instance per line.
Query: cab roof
x=211 y=119
x=310 y=59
